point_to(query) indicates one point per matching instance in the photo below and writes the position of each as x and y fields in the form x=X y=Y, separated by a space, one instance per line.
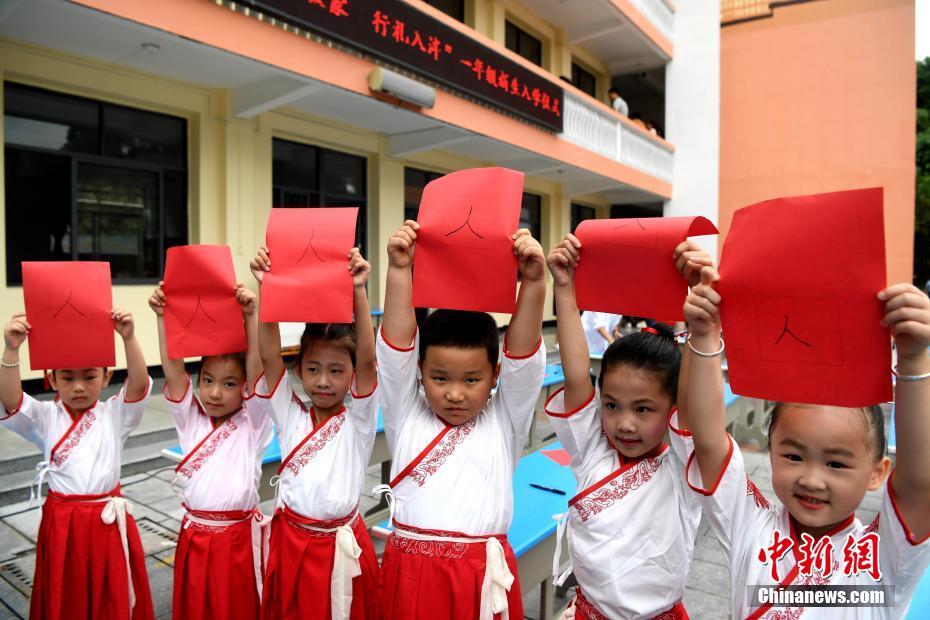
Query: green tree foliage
x=922 y=195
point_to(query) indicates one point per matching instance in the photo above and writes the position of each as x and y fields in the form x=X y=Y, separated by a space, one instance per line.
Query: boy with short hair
x=455 y=445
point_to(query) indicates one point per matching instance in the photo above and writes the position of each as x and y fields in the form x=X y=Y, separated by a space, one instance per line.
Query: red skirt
x=214 y=572
x=427 y=580
x=300 y=564
x=80 y=564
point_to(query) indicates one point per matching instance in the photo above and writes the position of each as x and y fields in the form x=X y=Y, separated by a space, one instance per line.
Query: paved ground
x=157 y=511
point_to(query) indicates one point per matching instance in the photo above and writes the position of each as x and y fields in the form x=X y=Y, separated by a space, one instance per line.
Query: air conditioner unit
x=390 y=83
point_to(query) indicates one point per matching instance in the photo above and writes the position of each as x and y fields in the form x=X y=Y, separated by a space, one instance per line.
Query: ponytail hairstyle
x=653 y=349
x=341 y=335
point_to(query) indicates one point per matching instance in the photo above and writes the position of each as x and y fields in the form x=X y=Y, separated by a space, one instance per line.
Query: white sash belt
x=346 y=566
x=115 y=511
x=261 y=533
x=497 y=576
x=559 y=578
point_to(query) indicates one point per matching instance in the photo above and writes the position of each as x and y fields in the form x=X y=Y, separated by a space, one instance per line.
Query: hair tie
x=650 y=330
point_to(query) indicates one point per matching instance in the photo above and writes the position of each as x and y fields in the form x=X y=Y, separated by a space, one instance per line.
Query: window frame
x=320 y=156
x=521 y=36
x=77 y=158
x=580 y=70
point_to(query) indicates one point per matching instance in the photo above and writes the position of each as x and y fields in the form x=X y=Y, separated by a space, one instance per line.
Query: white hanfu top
x=745 y=522
x=83 y=452
x=632 y=525
x=323 y=469
x=456 y=478
x=222 y=464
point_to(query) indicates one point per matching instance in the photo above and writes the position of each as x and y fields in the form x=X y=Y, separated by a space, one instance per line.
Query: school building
x=131 y=126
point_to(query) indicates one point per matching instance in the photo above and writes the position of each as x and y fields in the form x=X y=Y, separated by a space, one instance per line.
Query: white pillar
x=692 y=112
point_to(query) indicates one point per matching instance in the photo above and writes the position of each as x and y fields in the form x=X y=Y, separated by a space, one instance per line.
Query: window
x=584 y=80
x=531 y=214
x=309 y=176
x=637 y=210
x=88 y=180
x=581 y=213
x=452 y=8
x=523 y=43
x=414 y=182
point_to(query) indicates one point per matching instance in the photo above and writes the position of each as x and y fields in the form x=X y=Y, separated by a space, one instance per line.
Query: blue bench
x=532 y=530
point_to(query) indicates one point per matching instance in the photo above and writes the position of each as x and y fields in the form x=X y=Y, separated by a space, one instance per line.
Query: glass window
x=46 y=120
x=531 y=214
x=580 y=213
x=414 y=182
x=86 y=180
x=304 y=175
x=143 y=136
x=584 y=80
x=117 y=211
x=452 y=8
x=523 y=43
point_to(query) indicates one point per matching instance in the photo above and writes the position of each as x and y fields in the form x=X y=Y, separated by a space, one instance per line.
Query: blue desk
x=533 y=530
x=920 y=604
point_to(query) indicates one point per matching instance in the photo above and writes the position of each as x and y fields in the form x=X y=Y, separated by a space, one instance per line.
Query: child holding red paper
x=455 y=445
x=824 y=459
x=322 y=564
x=89 y=559
x=223 y=434
x=632 y=525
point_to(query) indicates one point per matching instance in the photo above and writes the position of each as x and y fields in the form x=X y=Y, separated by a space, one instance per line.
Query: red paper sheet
x=202 y=316
x=560 y=456
x=464 y=254
x=627 y=266
x=309 y=281
x=68 y=305
x=799 y=278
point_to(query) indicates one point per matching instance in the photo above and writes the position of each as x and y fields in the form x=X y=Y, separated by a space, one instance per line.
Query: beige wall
x=820 y=98
x=229 y=160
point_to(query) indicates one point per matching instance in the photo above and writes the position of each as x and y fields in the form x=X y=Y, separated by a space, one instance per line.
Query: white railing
x=599 y=131
x=659 y=13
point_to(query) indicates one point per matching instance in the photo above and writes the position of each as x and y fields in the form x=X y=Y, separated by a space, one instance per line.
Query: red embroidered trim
x=873 y=526
x=429 y=548
x=586 y=608
x=752 y=489
x=437 y=457
x=631 y=479
x=203 y=452
x=219 y=515
x=22 y=396
x=316 y=442
x=72 y=438
x=507 y=352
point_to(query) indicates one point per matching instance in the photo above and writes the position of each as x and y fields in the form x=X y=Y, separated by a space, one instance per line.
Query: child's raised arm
x=175 y=377
x=400 y=322
x=707 y=417
x=137 y=376
x=11 y=386
x=253 y=361
x=573 y=348
x=907 y=313
x=689 y=260
x=525 y=327
x=366 y=372
x=269 y=334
